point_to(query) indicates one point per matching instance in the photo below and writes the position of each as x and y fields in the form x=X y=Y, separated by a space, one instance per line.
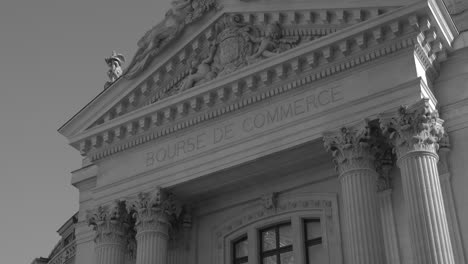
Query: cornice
x=455 y=115
x=301 y=22
x=316 y=60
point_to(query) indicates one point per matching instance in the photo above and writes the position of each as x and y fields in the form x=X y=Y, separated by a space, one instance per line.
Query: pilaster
x=384 y=187
x=353 y=150
x=415 y=132
x=449 y=203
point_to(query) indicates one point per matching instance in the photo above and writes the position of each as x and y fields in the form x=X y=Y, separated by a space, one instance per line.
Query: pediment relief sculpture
x=237 y=44
x=182 y=13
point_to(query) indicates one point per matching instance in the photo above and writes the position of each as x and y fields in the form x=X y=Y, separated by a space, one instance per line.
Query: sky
x=52 y=63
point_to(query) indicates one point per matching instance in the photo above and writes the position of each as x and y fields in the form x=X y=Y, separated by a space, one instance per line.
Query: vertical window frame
x=311 y=242
x=277 y=251
x=240 y=260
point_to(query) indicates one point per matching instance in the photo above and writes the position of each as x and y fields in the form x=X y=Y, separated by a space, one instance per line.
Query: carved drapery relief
x=416 y=128
x=181 y=14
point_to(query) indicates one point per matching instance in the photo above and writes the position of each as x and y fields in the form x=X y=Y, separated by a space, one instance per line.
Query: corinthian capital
x=153 y=210
x=413 y=128
x=109 y=222
x=352 y=147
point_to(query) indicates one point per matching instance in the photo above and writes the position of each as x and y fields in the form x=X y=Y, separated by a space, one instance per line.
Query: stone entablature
x=305 y=64
x=303 y=25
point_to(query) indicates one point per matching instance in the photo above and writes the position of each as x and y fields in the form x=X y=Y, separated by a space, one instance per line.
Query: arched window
x=277 y=244
x=241 y=251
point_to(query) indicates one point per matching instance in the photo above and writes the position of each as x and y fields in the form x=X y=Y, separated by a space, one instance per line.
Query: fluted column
x=353 y=151
x=415 y=131
x=449 y=203
x=153 y=212
x=110 y=226
x=384 y=187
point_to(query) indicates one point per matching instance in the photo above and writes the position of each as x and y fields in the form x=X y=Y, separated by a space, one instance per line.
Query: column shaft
x=354 y=150
x=363 y=239
x=388 y=226
x=153 y=212
x=110 y=226
x=452 y=219
x=415 y=132
x=110 y=254
x=152 y=248
x=428 y=222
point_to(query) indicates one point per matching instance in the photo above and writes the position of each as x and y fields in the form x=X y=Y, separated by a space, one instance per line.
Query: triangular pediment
x=215 y=48
x=222 y=46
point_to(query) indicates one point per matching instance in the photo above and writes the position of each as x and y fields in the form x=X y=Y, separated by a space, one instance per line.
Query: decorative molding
x=314 y=66
x=163 y=83
x=153 y=211
x=65 y=255
x=269 y=200
x=325 y=206
x=414 y=128
x=355 y=147
x=110 y=223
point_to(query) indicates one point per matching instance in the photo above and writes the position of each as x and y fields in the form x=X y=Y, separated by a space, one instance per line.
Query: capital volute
x=352 y=147
x=154 y=209
x=413 y=128
x=109 y=221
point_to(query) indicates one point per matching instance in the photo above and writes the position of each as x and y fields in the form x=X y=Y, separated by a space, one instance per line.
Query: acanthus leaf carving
x=110 y=222
x=154 y=210
x=415 y=128
x=352 y=147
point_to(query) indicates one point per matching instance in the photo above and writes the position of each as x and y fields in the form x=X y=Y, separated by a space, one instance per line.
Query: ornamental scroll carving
x=354 y=147
x=414 y=128
x=154 y=210
x=110 y=222
x=181 y=14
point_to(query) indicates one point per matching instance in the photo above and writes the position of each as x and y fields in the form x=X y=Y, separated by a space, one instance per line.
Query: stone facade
x=274 y=132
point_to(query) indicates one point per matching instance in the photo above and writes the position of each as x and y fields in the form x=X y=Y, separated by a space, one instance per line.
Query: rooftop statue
x=182 y=13
x=115 y=67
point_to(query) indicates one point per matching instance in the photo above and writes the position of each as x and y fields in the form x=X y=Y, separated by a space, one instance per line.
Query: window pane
x=313 y=229
x=287 y=258
x=269 y=239
x=241 y=249
x=316 y=254
x=285 y=235
x=270 y=260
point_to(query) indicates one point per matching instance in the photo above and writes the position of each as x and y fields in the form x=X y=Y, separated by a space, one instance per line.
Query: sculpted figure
x=115 y=67
x=182 y=12
x=269 y=43
x=201 y=71
x=272 y=43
